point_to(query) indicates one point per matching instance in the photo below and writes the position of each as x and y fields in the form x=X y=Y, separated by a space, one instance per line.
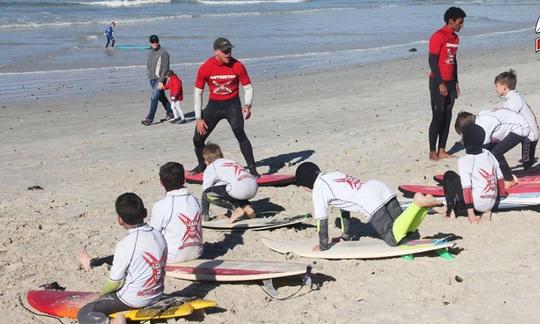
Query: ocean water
x=54 y=48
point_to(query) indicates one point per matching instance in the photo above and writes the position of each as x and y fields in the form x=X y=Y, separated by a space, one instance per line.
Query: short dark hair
x=463 y=119
x=508 y=78
x=169 y=73
x=454 y=13
x=171 y=175
x=153 y=39
x=130 y=208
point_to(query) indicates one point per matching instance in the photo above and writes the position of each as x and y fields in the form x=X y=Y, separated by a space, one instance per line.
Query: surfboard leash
x=37 y=314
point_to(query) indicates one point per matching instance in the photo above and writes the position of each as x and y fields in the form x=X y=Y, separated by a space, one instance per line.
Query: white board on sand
x=365 y=248
x=234 y=270
x=256 y=224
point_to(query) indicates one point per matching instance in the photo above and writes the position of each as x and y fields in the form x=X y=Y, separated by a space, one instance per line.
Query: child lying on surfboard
x=479 y=183
x=226 y=184
x=138 y=270
x=372 y=198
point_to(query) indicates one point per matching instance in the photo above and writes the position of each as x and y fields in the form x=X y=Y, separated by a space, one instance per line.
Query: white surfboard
x=234 y=270
x=365 y=248
x=508 y=202
x=256 y=224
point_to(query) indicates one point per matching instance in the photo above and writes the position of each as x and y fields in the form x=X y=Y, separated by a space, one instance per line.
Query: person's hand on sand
x=246 y=111
x=443 y=90
x=201 y=127
x=84 y=260
x=486 y=216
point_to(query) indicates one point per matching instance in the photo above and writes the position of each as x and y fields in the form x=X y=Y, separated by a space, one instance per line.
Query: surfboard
x=133 y=47
x=523 y=178
x=233 y=270
x=506 y=202
x=437 y=191
x=68 y=303
x=263 y=180
x=365 y=248
x=256 y=224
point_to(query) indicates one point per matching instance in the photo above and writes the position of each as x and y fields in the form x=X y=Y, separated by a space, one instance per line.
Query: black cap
x=306 y=174
x=473 y=139
x=222 y=44
x=154 y=39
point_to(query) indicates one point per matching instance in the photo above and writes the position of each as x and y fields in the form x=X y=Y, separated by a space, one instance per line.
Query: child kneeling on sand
x=479 y=183
x=226 y=184
x=504 y=129
x=372 y=198
x=138 y=270
x=178 y=216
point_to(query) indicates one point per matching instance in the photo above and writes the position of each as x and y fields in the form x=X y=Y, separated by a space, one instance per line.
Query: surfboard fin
x=445 y=254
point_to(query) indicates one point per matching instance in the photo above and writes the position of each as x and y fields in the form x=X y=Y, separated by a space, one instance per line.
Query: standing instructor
x=223 y=74
x=443 y=80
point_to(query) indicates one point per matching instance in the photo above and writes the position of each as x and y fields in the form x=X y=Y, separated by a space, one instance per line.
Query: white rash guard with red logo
x=516 y=102
x=178 y=218
x=341 y=191
x=139 y=260
x=240 y=183
x=481 y=178
x=499 y=122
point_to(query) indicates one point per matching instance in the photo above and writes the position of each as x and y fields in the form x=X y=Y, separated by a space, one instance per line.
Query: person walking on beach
x=223 y=74
x=109 y=34
x=156 y=67
x=443 y=80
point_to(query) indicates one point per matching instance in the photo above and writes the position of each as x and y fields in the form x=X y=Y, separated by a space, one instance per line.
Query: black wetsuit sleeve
x=96 y=262
x=434 y=66
x=323 y=234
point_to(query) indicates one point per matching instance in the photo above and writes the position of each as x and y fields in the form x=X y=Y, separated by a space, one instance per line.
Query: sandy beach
x=370 y=121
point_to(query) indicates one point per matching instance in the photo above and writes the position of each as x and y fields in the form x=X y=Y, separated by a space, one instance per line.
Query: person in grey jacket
x=156 y=67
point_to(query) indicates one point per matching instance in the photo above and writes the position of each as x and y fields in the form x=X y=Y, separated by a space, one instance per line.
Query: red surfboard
x=264 y=180
x=60 y=303
x=437 y=191
x=523 y=178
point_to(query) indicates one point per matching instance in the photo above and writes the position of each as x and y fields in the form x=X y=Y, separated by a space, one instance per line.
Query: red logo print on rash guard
x=193 y=231
x=354 y=183
x=157 y=267
x=491 y=184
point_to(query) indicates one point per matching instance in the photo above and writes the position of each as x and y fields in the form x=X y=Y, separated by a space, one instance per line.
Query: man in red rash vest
x=443 y=80
x=223 y=74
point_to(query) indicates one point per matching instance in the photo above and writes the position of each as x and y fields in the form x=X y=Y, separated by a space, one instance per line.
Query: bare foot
x=120 y=319
x=473 y=219
x=433 y=156
x=222 y=216
x=84 y=260
x=237 y=214
x=425 y=201
x=440 y=210
x=249 y=212
x=443 y=154
x=509 y=184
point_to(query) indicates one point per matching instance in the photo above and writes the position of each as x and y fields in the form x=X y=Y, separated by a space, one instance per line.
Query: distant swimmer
x=443 y=80
x=223 y=74
x=109 y=34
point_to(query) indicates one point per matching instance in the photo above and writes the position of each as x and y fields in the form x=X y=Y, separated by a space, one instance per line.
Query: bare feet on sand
x=433 y=156
x=511 y=183
x=443 y=154
x=425 y=200
x=84 y=260
x=249 y=212
x=237 y=214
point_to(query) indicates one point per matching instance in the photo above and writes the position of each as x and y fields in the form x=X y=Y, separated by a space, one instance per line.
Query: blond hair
x=212 y=152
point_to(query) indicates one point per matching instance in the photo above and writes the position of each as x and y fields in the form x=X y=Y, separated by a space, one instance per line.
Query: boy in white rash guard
x=504 y=130
x=372 y=198
x=505 y=86
x=178 y=216
x=226 y=184
x=138 y=270
x=479 y=183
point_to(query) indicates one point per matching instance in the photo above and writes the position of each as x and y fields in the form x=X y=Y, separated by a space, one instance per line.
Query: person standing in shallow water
x=109 y=33
x=443 y=80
